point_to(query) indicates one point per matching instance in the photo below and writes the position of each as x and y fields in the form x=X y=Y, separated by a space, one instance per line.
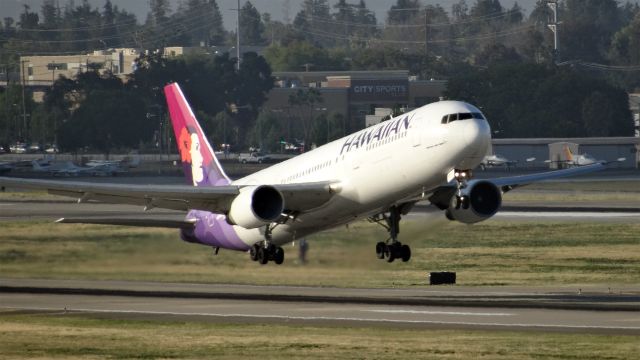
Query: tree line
x=498 y=58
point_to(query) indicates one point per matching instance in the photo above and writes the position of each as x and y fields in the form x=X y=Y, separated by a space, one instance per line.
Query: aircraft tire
x=405 y=253
x=263 y=256
x=380 y=250
x=278 y=255
x=253 y=252
x=389 y=253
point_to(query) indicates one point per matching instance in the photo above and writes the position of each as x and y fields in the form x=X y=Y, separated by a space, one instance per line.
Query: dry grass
x=493 y=252
x=84 y=337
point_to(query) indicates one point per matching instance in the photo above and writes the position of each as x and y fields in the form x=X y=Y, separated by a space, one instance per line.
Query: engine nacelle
x=256 y=206
x=479 y=201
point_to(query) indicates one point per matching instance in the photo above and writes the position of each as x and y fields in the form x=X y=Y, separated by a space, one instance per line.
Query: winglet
x=200 y=165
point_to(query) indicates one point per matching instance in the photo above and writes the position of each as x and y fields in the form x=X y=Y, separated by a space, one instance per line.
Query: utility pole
x=426 y=31
x=238 y=37
x=553 y=26
x=24 y=107
x=6 y=104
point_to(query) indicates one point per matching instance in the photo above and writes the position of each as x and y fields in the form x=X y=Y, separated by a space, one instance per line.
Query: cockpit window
x=461 y=116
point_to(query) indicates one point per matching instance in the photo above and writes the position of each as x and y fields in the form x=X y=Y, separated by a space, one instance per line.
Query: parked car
x=254 y=157
x=18 y=148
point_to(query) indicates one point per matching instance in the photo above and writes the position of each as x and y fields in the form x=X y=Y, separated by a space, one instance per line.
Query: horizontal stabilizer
x=161 y=223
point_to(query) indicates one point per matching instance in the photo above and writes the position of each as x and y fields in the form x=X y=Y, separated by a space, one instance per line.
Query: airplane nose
x=478 y=134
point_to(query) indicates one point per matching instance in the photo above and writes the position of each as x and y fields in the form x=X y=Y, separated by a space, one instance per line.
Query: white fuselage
x=378 y=167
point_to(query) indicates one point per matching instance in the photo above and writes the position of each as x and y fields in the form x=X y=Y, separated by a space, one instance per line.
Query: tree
x=304 y=103
x=216 y=28
x=11 y=119
x=512 y=96
x=403 y=11
x=625 y=47
x=300 y=54
x=106 y=120
x=312 y=22
x=367 y=21
x=50 y=14
x=267 y=132
x=28 y=20
x=459 y=11
x=587 y=29
x=251 y=26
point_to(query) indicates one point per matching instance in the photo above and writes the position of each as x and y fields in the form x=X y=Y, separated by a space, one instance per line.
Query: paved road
x=563 y=309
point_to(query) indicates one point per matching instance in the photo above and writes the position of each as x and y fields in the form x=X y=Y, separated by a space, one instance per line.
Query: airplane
x=68 y=168
x=572 y=160
x=495 y=160
x=378 y=173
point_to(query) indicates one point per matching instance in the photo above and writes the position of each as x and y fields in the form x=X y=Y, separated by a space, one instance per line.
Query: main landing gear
x=391 y=249
x=264 y=251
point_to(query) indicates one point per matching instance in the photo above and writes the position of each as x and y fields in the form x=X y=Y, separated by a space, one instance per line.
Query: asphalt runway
x=540 y=309
x=53 y=210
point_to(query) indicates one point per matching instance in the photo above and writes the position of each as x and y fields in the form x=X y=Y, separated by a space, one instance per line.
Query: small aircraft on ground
x=68 y=168
x=496 y=160
x=573 y=160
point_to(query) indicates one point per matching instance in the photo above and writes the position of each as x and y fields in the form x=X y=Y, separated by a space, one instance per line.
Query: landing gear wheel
x=392 y=249
x=253 y=252
x=389 y=253
x=278 y=255
x=263 y=256
x=405 y=253
x=380 y=250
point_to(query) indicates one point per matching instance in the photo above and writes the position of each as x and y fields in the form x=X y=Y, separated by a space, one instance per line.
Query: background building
x=356 y=94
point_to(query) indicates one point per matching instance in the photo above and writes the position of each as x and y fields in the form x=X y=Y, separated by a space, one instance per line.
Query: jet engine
x=256 y=206
x=478 y=201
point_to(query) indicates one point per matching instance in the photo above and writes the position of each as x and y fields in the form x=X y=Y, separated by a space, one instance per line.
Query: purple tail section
x=201 y=167
x=214 y=230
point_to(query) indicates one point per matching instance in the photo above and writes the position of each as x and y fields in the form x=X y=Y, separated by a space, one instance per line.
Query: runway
x=593 y=310
x=53 y=210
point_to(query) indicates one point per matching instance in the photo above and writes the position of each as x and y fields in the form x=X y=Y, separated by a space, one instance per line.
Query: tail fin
x=200 y=165
x=567 y=153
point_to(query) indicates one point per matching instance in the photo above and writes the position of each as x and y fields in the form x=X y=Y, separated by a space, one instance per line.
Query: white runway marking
x=599 y=215
x=330 y=318
x=425 y=312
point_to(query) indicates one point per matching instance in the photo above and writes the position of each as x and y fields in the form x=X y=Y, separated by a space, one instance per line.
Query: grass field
x=490 y=253
x=27 y=336
x=495 y=252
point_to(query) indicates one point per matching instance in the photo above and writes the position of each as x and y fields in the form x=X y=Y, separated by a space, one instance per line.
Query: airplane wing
x=161 y=223
x=442 y=195
x=297 y=197
x=511 y=182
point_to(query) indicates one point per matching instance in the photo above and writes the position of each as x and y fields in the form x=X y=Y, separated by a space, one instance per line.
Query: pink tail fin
x=200 y=165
